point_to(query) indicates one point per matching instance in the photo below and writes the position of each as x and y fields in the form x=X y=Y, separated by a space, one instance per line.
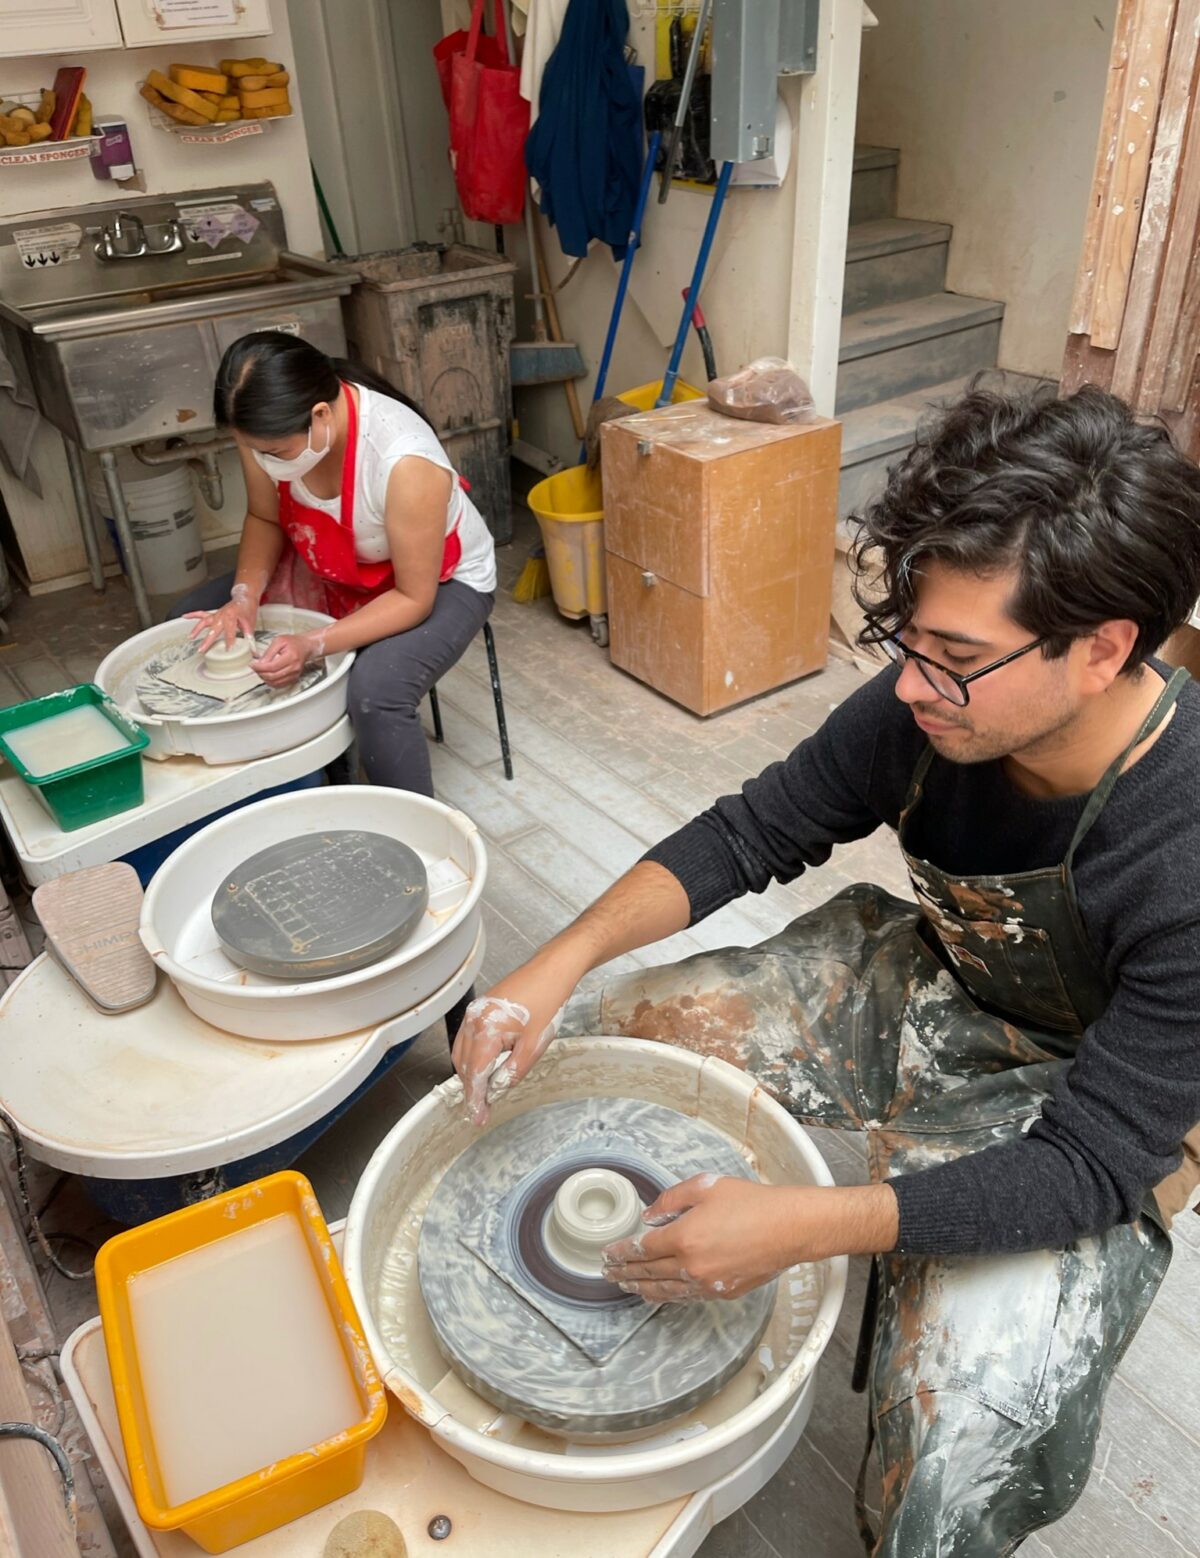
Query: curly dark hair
x=1098 y=513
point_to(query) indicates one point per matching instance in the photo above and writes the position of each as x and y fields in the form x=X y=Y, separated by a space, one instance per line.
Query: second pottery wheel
x=320 y=905
x=201 y=688
x=548 y=1340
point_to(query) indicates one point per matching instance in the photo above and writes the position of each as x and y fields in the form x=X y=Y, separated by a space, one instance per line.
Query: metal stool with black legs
x=497 y=696
x=456 y=1013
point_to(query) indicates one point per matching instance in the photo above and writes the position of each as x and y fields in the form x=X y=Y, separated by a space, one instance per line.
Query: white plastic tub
x=162 y=517
x=230 y=738
x=177 y=929
x=505 y=1453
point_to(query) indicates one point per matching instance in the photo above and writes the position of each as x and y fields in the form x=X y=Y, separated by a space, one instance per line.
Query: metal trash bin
x=437 y=322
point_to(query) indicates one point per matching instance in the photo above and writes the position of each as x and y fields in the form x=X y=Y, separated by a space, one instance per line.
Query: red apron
x=320 y=570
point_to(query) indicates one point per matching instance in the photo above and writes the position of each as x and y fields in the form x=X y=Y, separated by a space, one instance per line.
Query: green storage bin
x=88 y=792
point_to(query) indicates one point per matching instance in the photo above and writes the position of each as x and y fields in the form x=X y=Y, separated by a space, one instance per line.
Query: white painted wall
x=279 y=154
x=773 y=284
x=995 y=110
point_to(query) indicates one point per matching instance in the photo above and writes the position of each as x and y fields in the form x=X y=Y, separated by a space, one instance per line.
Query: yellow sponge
x=200 y=78
x=182 y=95
x=269 y=97
x=254 y=67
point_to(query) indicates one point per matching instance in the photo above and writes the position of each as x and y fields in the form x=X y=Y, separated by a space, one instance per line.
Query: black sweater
x=1113 y=1127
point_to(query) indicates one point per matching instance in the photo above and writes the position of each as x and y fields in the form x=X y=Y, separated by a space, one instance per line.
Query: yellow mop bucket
x=569 y=508
x=224 y=1352
x=645 y=395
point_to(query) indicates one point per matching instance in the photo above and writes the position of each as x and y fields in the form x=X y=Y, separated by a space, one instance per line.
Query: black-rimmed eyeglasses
x=946 y=683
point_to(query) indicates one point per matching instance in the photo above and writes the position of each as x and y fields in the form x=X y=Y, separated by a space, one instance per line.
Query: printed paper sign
x=195 y=13
x=212 y=224
x=68 y=151
x=44 y=246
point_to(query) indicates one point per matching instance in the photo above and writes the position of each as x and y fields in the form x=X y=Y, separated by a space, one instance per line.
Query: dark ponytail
x=269 y=382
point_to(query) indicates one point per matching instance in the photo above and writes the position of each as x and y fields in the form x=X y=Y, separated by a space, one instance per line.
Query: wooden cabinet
x=82 y=26
x=68 y=27
x=143 y=22
x=719 y=543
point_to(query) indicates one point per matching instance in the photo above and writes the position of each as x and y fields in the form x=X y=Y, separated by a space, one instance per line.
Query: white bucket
x=162 y=516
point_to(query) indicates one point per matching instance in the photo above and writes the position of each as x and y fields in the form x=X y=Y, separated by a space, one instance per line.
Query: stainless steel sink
x=121 y=341
x=122 y=350
x=296 y=279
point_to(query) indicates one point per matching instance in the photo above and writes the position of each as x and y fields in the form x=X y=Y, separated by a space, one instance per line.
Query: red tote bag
x=489 y=120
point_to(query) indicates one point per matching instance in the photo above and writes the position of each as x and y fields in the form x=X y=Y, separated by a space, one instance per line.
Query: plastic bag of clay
x=766 y=390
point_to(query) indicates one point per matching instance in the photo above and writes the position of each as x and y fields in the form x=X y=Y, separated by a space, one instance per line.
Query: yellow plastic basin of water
x=154 y=1347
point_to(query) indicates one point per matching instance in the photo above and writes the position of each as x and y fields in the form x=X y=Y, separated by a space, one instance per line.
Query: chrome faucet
x=124 y=240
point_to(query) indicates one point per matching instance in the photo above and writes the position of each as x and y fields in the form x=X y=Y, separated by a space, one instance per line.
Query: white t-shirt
x=388 y=431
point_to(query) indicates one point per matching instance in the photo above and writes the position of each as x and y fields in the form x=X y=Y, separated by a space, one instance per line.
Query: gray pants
x=390 y=677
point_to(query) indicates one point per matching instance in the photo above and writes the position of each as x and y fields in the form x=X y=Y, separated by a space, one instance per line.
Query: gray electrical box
x=798 y=21
x=754 y=42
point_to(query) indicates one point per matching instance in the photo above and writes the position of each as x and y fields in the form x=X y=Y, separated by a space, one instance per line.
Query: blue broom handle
x=635 y=239
x=693 y=296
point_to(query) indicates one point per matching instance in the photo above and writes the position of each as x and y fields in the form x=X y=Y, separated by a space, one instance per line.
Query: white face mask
x=293 y=470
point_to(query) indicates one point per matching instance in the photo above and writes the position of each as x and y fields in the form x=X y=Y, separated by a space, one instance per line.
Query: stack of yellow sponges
x=202 y=94
x=261 y=87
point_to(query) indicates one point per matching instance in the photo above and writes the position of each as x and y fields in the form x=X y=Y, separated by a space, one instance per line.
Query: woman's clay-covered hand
x=504 y=1034
x=286 y=657
x=238 y=615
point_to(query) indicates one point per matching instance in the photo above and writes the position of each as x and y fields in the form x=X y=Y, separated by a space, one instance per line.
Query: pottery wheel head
x=509 y=1264
x=560 y=1246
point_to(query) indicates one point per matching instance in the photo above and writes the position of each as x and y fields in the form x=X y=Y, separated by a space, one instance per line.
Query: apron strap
x=1163 y=704
x=918 y=776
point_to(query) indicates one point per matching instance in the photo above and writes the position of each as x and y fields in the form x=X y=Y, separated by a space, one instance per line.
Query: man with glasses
x=1018 y=1042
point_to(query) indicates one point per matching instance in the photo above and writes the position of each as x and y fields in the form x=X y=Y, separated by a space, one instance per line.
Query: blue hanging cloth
x=585 y=150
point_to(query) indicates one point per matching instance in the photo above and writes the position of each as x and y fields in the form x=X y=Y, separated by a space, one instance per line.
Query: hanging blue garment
x=585 y=150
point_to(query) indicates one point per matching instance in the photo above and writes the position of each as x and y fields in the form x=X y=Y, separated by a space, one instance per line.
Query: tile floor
x=604 y=767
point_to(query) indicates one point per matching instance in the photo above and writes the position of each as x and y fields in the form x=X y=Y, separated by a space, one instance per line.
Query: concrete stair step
x=875 y=437
x=873 y=186
x=891 y=259
x=899 y=347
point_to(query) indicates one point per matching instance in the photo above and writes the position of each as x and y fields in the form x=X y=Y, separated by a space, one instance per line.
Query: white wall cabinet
x=82 y=26
x=67 y=27
x=146 y=22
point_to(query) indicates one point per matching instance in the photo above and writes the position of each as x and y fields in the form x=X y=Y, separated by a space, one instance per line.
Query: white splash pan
x=229 y=738
x=155 y=1091
x=504 y=1452
x=177 y=930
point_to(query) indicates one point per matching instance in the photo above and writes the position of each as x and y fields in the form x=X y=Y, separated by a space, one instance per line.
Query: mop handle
x=635 y=239
x=685 y=98
x=693 y=293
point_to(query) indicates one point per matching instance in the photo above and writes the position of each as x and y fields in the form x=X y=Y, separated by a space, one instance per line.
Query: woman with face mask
x=353 y=510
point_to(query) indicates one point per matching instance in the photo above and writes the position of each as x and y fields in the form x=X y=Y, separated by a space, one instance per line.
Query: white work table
x=178 y=791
